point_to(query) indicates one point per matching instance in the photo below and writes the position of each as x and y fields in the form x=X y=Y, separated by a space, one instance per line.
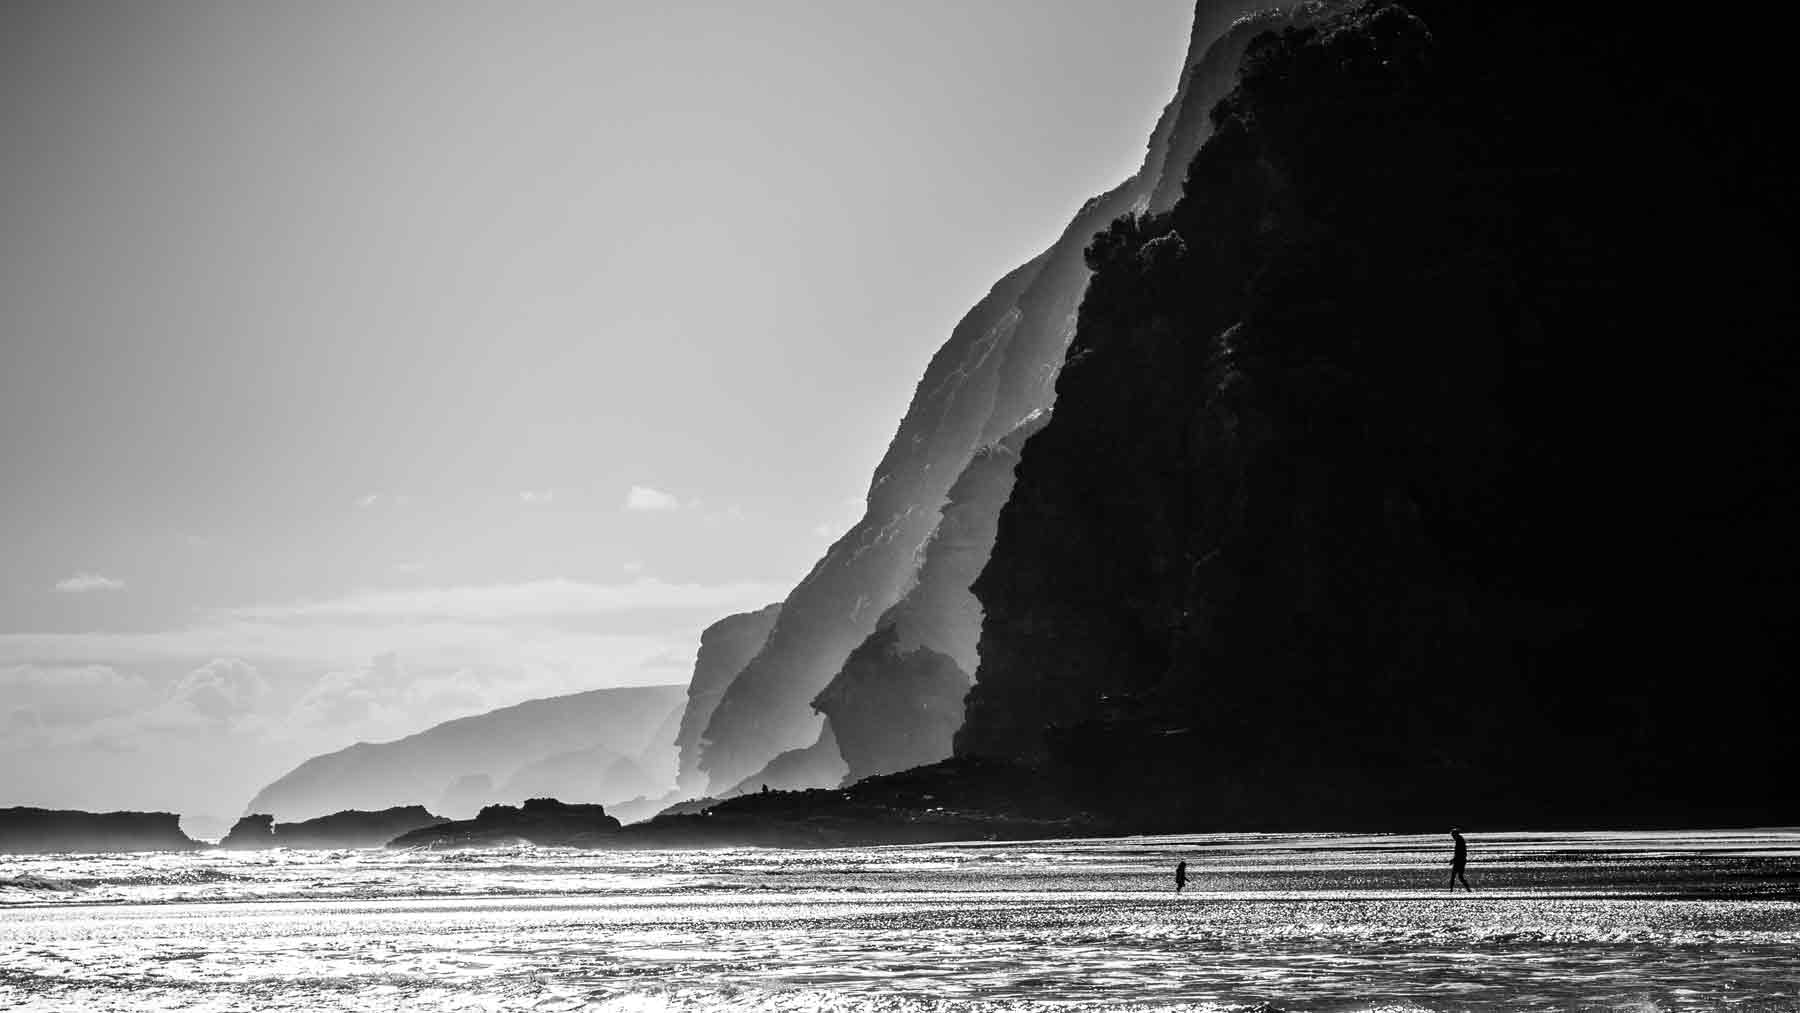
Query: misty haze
x=1032 y=504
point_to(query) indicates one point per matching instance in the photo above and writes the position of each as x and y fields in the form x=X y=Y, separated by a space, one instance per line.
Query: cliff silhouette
x=1429 y=448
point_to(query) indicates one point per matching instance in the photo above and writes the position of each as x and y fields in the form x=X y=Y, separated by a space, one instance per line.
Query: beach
x=1617 y=920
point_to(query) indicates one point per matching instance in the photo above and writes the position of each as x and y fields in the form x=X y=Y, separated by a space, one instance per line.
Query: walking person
x=1180 y=875
x=1459 y=861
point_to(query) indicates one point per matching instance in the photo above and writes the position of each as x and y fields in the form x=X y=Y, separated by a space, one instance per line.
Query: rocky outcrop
x=897 y=708
x=954 y=800
x=725 y=648
x=997 y=369
x=544 y=822
x=351 y=829
x=1382 y=483
x=29 y=831
x=250 y=833
x=496 y=745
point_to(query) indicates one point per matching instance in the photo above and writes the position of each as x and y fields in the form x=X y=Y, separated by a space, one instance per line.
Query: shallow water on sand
x=1643 y=921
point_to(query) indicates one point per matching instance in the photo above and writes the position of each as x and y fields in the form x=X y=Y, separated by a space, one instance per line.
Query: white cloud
x=82 y=583
x=27 y=678
x=537 y=497
x=467 y=649
x=221 y=690
x=346 y=698
x=71 y=694
x=633 y=567
x=642 y=497
x=318 y=644
x=96 y=706
x=542 y=599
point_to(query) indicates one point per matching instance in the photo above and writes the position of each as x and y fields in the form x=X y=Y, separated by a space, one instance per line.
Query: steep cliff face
x=998 y=368
x=880 y=727
x=27 y=831
x=1383 y=483
x=485 y=749
x=764 y=711
x=899 y=697
x=725 y=648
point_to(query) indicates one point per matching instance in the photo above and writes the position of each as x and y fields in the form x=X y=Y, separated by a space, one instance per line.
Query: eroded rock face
x=725 y=648
x=26 y=831
x=898 y=708
x=998 y=368
x=1378 y=481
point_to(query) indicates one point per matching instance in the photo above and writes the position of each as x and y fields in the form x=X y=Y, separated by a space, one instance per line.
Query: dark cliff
x=27 y=831
x=725 y=648
x=351 y=829
x=470 y=753
x=545 y=822
x=998 y=368
x=1426 y=460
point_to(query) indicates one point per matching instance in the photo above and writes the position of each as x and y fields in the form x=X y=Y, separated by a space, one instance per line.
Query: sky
x=364 y=365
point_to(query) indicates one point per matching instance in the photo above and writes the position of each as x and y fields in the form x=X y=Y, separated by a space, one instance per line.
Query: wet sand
x=1665 y=921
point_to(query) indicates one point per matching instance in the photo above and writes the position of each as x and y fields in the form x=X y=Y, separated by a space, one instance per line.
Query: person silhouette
x=1180 y=875
x=1459 y=861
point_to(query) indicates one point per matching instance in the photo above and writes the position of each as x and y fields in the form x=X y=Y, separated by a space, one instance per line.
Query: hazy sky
x=363 y=365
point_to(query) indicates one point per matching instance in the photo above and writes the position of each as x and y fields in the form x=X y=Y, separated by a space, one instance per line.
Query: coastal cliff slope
x=725 y=648
x=1426 y=460
x=476 y=752
x=996 y=371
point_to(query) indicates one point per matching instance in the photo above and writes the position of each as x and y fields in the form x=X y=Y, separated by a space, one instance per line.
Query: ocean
x=1695 y=920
